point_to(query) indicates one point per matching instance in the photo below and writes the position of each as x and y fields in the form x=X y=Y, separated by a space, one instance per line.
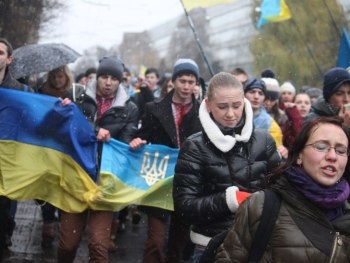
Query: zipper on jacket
x=337 y=242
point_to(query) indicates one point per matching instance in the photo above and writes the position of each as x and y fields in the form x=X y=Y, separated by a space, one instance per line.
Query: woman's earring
x=299 y=162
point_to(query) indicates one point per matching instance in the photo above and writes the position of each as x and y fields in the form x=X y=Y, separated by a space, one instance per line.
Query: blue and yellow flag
x=190 y=4
x=142 y=177
x=47 y=151
x=273 y=11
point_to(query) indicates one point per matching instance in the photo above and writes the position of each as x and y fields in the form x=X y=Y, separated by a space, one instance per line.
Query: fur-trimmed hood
x=226 y=142
x=119 y=100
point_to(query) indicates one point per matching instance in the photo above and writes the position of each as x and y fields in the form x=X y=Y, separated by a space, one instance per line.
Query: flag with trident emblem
x=142 y=177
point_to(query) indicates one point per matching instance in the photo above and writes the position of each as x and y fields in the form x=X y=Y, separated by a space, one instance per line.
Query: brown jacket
x=302 y=232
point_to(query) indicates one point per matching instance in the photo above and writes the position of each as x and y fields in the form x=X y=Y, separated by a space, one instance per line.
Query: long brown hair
x=300 y=142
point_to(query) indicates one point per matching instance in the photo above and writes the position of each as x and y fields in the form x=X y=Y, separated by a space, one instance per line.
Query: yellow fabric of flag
x=190 y=4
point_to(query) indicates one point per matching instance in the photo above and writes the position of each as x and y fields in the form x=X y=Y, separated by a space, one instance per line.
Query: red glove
x=234 y=197
x=241 y=196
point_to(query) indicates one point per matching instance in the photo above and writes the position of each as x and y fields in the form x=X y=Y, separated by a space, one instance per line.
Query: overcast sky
x=88 y=23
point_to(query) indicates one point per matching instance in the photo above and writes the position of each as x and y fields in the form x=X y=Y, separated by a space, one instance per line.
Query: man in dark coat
x=7 y=222
x=169 y=122
x=107 y=106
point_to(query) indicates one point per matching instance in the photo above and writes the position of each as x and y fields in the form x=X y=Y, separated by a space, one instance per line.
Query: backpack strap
x=271 y=207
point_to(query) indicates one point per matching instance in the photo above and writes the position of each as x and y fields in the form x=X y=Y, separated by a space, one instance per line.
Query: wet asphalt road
x=26 y=240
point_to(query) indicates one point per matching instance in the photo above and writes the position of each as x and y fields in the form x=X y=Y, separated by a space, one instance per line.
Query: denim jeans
x=197 y=254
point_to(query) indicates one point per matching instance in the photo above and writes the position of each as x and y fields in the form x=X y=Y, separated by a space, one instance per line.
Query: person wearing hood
x=113 y=115
x=336 y=94
x=218 y=167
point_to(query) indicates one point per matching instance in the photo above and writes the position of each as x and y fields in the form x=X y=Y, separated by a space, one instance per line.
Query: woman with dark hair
x=313 y=223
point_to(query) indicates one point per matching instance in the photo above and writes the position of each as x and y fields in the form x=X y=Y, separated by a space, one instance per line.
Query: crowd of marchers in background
x=240 y=138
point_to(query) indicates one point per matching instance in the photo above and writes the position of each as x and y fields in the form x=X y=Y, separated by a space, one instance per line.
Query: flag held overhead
x=273 y=11
x=191 y=4
x=344 y=50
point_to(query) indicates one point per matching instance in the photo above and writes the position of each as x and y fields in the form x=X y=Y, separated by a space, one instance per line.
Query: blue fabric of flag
x=344 y=50
x=42 y=120
x=273 y=11
x=142 y=168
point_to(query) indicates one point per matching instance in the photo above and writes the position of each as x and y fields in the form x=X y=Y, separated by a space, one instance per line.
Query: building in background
x=225 y=32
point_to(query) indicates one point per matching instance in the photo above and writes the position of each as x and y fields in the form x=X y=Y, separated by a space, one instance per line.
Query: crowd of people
x=239 y=136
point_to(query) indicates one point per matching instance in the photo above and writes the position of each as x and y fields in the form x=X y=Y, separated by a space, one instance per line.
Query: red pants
x=72 y=226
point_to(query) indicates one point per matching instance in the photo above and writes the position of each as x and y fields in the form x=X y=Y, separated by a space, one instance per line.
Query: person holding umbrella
x=59 y=84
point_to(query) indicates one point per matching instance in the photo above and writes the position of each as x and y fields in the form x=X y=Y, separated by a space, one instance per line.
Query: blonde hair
x=66 y=72
x=223 y=80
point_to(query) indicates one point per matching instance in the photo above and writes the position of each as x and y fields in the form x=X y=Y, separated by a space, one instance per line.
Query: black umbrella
x=37 y=58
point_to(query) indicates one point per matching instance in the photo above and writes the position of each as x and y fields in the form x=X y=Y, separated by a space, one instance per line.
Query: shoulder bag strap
x=269 y=216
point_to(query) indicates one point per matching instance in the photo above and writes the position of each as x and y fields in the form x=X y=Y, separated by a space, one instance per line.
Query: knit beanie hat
x=90 y=71
x=111 y=66
x=272 y=88
x=185 y=66
x=268 y=73
x=333 y=79
x=254 y=83
x=314 y=92
x=287 y=86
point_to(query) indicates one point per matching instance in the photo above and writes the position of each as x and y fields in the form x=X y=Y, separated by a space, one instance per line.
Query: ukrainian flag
x=47 y=151
x=273 y=11
x=142 y=177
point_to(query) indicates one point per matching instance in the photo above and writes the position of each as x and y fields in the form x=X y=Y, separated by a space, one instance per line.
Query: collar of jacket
x=226 y=142
x=323 y=107
x=121 y=97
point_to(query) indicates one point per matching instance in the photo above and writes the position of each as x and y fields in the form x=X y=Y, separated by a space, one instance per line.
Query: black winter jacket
x=11 y=83
x=120 y=120
x=158 y=127
x=321 y=109
x=208 y=165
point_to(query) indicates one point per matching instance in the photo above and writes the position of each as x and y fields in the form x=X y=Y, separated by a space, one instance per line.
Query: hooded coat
x=210 y=163
x=302 y=232
x=121 y=119
x=321 y=108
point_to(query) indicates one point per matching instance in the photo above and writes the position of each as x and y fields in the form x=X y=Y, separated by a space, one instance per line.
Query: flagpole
x=194 y=31
x=307 y=47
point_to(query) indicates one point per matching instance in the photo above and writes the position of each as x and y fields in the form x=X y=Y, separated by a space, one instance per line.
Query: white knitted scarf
x=226 y=142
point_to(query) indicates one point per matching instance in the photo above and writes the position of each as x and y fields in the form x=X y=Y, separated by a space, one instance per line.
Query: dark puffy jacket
x=207 y=167
x=302 y=232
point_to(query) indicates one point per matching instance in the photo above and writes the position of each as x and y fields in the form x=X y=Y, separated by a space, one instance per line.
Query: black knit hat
x=90 y=71
x=111 y=66
x=185 y=66
x=268 y=73
x=333 y=79
x=254 y=83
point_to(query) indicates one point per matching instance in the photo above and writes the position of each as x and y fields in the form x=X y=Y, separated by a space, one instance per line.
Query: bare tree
x=21 y=20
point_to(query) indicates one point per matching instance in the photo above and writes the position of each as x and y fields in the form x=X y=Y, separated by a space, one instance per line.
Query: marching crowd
x=241 y=140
